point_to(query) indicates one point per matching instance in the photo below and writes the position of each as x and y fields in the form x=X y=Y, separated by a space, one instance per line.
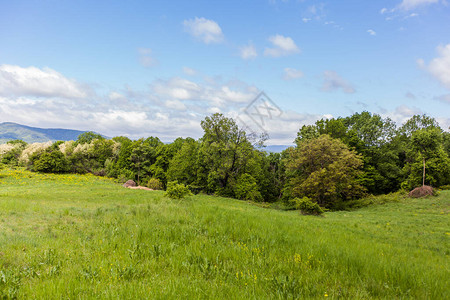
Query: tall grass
x=70 y=236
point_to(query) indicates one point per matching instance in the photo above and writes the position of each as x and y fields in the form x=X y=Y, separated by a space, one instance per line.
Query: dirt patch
x=422 y=191
x=139 y=188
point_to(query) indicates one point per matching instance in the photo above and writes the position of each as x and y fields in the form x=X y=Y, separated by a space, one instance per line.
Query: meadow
x=82 y=236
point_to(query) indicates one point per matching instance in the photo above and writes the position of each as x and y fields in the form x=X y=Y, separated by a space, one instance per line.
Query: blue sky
x=141 y=68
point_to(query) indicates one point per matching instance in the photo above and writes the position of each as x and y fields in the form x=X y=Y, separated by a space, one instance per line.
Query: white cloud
x=306 y=20
x=290 y=73
x=175 y=104
x=145 y=57
x=32 y=81
x=412 y=4
x=371 y=32
x=282 y=46
x=334 y=82
x=177 y=88
x=189 y=71
x=211 y=93
x=383 y=10
x=248 y=52
x=205 y=30
x=439 y=67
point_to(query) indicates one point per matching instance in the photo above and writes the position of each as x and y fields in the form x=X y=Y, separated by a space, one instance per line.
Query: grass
x=81 y=237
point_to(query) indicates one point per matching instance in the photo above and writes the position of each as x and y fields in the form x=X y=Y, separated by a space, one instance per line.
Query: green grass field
x=80 y=237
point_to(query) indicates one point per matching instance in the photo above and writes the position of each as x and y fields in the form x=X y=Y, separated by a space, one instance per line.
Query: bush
x=307 y=207
x=155 y=184
x=177 y=190
x=247 y=189
x=53 y=162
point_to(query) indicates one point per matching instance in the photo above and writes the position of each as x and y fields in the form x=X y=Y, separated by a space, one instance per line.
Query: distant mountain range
x=12 y=131
x=276 y=148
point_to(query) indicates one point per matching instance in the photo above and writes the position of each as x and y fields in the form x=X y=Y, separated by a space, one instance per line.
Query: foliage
x=50 y=162
x=183 y=167
x=426 y=153
x=11 y=151
x=224 y=154
x=155 y=184
x=177 y=190
x=325 y=170
x=246 y=188
x=307 y=207
x=88 y=137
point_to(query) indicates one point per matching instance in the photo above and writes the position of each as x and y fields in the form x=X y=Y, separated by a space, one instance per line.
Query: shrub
x=247 y=189
x=53 y=162
x=177 y=190
x=155 y=184
x=307 y=207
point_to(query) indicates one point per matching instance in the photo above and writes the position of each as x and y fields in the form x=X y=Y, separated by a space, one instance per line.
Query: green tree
x=417 y=122
x=224 y=154
x=427 y=142
x=88 y=137
x=246 y=188
x=183 y=166
x=325 y=170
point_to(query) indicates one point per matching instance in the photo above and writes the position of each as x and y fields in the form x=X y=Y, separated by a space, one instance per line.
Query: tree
x=325 y=170
x=426 y=141
x=246 y=188
x=224 y=153
x=183 y=166
x=87 y=137
x=417 y=122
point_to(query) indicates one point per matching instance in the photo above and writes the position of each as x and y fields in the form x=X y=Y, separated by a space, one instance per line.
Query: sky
x=158 y=68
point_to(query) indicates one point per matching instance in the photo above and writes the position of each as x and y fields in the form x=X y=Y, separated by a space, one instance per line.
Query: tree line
x=333 y=161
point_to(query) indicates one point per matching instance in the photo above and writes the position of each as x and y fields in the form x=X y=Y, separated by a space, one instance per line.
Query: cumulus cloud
x=248 y=52
x=210 y=93
x=177 y=88
x=290 y=74
x=32 y=81
x=412 y=4
x=371 y=32
x=439 y=67
x=204 y=30
x=333 y=82
x=281 y=46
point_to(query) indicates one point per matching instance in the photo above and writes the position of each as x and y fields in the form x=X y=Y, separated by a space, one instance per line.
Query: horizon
x=157 y=69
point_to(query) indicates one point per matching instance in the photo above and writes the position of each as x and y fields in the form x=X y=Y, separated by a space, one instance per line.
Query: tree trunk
x=423 y=180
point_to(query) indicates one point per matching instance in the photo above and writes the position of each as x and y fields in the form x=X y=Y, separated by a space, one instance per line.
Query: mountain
x=276 y=148
x=12 y=131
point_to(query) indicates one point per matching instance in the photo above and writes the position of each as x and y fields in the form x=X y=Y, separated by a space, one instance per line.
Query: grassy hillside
x=12 y=131
x=70 y=236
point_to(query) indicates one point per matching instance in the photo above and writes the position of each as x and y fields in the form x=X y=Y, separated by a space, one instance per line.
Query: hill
x=12 y=131
x=81 y=236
